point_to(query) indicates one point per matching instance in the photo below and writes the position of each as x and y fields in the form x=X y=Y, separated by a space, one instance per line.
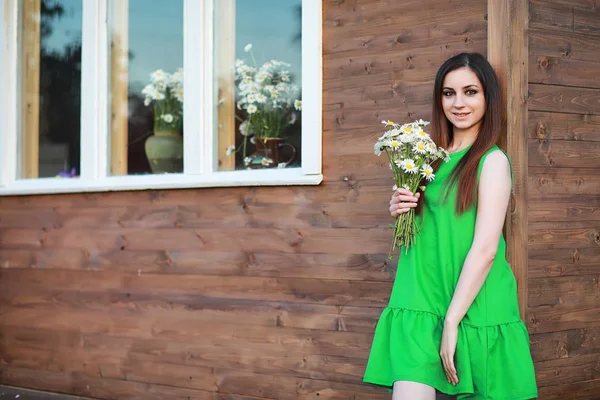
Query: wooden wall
x=244 y=293
x=564 y=196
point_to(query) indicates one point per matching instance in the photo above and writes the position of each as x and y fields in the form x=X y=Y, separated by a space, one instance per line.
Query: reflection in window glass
x=49 y=140
x=258 y=75
x=146 y=91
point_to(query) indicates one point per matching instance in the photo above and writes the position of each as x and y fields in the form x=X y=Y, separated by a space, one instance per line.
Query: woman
x=452 y=323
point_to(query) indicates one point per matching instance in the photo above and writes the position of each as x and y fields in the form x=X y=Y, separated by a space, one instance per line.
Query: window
x=141 y=94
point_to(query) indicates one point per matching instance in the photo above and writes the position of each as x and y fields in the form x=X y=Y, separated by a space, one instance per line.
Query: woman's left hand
x=447 y=351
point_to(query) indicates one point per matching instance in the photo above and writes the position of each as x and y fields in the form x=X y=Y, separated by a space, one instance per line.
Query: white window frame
x=200 y=170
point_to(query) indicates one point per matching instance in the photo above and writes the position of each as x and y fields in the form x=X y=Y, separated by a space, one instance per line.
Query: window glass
x=146 y=86
x=50 y=87
x=258 y=76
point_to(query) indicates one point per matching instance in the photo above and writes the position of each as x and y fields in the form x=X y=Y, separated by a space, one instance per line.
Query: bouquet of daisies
x=165 y=93
x=411 y=152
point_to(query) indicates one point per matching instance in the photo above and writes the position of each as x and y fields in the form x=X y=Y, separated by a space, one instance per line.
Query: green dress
x=493 y=358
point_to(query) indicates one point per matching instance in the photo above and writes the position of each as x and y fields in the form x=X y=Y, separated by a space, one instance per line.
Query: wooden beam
x=508 y=54
x=30 y=111
x=225 y=52
x=119 y=60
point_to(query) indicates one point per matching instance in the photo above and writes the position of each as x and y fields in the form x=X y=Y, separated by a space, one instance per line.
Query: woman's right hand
x=402 y=201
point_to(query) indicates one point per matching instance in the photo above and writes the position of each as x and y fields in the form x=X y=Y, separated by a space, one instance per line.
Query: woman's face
x=463 y=100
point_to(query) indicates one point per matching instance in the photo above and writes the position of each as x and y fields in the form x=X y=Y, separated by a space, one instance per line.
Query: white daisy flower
x=407 y=138
x=247 y=161
x=387 y=122
x=253 y=140
x=409 y=166
x=420 y=148
x=248 y=47
x=252 y=109
x=168 y=118
x=422 y=134
x=261 y=98
x=147 y=101
x=394 y=144
x=251 y=98
x=266 y=161
x=394 y=187
x=431 y=149
x=427 y=172
x=282 y=165
x=298 y=105
x=230 y=150
x=158 y=76
x=378 y=148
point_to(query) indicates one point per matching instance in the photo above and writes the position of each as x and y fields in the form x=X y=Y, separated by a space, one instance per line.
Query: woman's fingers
x=449 y=369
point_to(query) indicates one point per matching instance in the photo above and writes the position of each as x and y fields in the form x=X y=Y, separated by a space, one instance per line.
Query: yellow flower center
x=395 y=143
x=407 y=129
x=427 y=172
x=409 y=166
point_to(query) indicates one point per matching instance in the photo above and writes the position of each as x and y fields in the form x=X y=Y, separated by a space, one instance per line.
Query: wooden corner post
x=508 y=53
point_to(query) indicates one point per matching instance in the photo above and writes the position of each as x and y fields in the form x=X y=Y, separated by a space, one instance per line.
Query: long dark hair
x=442 y=133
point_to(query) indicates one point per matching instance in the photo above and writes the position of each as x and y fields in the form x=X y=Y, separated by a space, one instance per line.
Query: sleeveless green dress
x=492 y=358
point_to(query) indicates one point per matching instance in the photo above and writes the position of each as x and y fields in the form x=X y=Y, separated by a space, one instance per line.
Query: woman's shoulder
x=495 y=159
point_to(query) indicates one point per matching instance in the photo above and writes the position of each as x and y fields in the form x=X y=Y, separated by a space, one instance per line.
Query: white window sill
x=281 y=177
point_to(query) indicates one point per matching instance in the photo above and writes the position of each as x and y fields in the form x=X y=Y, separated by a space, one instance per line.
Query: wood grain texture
x=565 y=99
x=544 y=126
x=507 y=53
x=544 y=262
x=566 y=45
x=564 y=16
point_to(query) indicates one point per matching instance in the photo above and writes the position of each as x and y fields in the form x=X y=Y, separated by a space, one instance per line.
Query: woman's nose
x=458 y=101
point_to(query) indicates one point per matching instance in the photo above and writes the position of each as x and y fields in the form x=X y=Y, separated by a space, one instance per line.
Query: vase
x=164 y=151
x=269 y=154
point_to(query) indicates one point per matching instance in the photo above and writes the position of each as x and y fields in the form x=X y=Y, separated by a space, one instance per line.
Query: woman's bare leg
x=406 y=390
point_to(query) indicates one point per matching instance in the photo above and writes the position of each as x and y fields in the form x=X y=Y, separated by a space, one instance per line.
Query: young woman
x=452 y=323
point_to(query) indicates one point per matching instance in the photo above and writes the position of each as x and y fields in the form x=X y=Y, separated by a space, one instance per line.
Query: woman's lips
x=461 y=115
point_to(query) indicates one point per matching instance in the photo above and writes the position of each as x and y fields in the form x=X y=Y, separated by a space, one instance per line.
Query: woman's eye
x=471 y=92
x=447 y=93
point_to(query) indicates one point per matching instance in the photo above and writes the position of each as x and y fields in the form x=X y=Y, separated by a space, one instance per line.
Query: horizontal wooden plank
x=545 y=263
x=561 y=303
x=566 y=99
x=563 y=371
x=209 y=356
x=413 y=64
x=544 y=126
x=586 y=390
x=338 y=292
x=565 y=292
x=262 y=215
x=272 y=340
x=309 y=240
x=563 y=154
x=564 y=17
x=568 y=45
x=561 y=207
x=565 y=345
x=333 y=191
x=543 y=321
x=367 y=21
x=347 y=117
x=571 y=181
x=298 y=265
x=563 y=71
x=103 y=388
x=96 y=387
x=560 y=235
x=133 y=314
